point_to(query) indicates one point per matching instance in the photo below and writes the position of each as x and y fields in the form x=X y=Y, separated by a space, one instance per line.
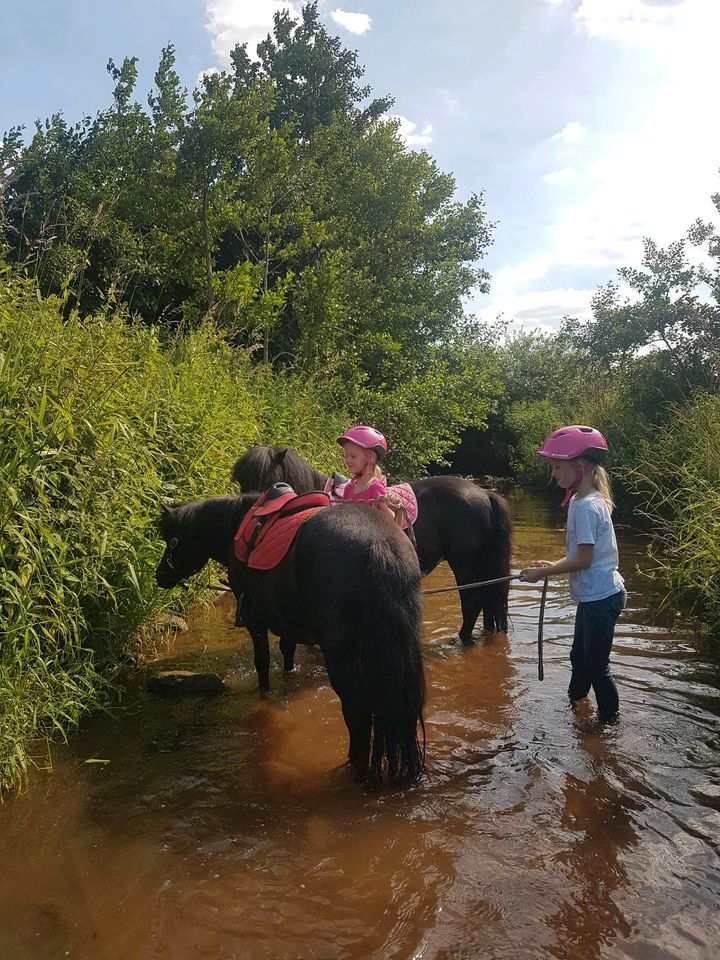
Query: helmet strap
x=580 y=474
x=371 y=462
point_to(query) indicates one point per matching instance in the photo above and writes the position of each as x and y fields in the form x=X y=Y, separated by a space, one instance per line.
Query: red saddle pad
x=270 y=527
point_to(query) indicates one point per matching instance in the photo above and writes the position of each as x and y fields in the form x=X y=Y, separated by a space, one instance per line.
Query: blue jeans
x=590 y=655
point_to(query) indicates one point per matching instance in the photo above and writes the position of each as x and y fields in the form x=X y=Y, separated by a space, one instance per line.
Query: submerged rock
x=185 y=683
x=171 y=622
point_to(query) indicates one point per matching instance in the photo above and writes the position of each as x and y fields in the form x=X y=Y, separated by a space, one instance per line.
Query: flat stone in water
x=171 y=622
x=185 y=683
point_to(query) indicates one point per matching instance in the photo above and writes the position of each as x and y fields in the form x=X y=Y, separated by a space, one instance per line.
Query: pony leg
x=356 y=712
x=492 y=601
x=261 y=655
x=471 y=602
x=287 y=648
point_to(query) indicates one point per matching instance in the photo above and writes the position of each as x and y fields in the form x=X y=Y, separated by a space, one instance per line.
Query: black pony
x=350 y=583
x=457 y=521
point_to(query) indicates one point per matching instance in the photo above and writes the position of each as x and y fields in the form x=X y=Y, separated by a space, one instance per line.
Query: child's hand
x=535 y=572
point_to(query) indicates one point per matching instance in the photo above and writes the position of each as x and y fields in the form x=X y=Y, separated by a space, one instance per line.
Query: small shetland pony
x=457 y=521
x=350 y=583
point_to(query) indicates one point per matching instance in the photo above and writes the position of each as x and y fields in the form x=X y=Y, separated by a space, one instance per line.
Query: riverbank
x=100 y=424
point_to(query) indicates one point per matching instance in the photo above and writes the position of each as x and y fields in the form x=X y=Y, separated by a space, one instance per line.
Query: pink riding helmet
x=366 y=437
x=567 y=443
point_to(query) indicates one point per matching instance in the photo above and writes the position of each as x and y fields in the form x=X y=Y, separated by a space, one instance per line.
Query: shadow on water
x=230 y=828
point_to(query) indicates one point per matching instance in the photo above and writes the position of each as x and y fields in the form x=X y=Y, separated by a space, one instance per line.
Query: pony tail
x=495 y=607
x=601 y=481
x=392 y=667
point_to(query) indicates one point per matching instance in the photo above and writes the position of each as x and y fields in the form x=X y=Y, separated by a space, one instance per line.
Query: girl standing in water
x=575 y=455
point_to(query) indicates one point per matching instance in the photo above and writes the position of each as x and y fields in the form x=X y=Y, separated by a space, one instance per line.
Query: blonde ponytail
x=601 y=482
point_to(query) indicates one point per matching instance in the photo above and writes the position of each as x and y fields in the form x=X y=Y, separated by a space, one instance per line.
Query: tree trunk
x=209 y=296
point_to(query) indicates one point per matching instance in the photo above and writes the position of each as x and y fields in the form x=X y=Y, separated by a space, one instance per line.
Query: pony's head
x=197 y=531
x=184 y=555
x=260 y=467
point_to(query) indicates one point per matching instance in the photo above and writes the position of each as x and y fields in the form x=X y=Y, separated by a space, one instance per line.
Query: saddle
x=270 y=526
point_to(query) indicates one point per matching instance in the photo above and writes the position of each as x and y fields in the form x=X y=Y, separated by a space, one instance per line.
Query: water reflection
x=230 y=828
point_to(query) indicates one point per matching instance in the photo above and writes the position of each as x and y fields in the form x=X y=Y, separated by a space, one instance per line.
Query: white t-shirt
x=589 y=522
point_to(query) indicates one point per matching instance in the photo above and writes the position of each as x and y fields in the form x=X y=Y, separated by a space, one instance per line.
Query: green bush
x=100 y=423
x=678 y=480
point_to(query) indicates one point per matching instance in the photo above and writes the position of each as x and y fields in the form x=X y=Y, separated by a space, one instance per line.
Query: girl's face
x=563 y=472
x=358 y=459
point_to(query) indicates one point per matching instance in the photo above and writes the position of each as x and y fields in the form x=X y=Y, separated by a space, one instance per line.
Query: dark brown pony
x=457 y=521
x=351 y=584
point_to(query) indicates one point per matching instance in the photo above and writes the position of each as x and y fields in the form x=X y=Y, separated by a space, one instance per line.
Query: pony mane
x=262 y=466
x=213 y=516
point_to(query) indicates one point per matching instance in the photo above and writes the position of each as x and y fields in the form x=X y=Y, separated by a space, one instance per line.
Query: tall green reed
x=677 y=480
x=100 y=423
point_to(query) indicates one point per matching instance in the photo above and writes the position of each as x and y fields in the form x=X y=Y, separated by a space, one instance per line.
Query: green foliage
x=100 y=422
x=424 y=416
x=677 y=477
x=316 y=79
x=279 y=203
x=529 y=422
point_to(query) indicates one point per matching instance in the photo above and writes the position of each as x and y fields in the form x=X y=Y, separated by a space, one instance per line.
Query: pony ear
x=280 y=454
x=165 y=516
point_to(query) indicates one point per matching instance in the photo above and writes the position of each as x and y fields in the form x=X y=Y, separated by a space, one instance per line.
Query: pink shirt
x=376 y=488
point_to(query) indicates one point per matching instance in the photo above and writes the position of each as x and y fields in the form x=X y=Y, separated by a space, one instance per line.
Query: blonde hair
x=601 y=482
x=376 y=471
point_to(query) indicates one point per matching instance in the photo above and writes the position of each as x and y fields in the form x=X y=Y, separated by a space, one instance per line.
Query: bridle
x=168 y=558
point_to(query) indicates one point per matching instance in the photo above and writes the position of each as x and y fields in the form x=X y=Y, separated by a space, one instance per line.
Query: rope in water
x=541 y=617
x=489 y=583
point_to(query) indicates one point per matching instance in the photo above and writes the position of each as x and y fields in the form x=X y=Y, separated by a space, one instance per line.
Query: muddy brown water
x=229 y=828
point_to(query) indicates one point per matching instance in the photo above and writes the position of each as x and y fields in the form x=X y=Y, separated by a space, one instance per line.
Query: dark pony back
x=262 y=466
x=457 y=521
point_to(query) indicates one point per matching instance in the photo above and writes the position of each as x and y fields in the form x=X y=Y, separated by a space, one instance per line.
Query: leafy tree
x=314 y=78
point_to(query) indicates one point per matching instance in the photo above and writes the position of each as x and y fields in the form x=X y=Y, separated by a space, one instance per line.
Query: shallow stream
x=229 y=829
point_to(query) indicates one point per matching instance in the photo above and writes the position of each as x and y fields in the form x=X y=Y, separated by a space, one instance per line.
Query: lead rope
x=489 y=583
x=474 y=586
x=541 y=673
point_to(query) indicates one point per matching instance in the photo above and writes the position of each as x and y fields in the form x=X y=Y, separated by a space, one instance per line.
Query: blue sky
x=588 y=124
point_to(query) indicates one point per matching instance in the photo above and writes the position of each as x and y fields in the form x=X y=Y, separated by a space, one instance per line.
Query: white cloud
x=540 y=309
x=407 y=131
x=570 y=133
x=451 y=103
x=623 y=19
x=352 y=22
x=243 y=21
x=652 y=181
x=561 y=176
